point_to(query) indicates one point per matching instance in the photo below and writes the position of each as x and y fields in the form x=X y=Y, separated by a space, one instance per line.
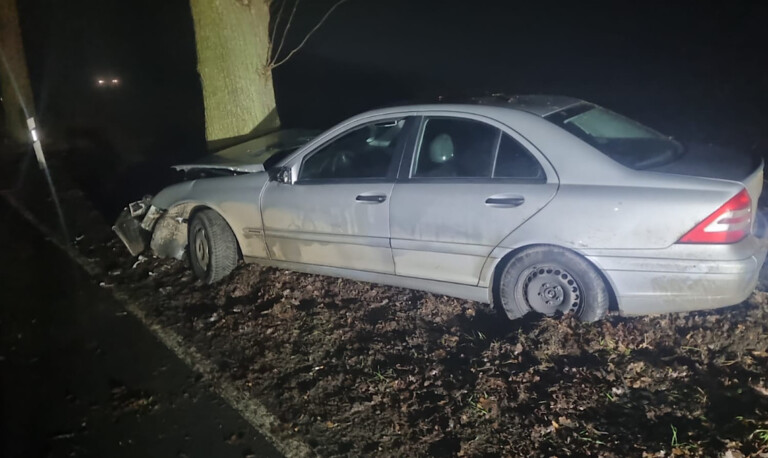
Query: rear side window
x=514 y=161
x=456 y=148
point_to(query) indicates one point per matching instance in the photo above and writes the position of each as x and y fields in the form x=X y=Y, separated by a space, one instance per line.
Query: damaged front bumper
x=135 y=223
x=141 y=225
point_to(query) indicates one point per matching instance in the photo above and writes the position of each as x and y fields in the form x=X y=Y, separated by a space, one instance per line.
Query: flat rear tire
x=552 y=280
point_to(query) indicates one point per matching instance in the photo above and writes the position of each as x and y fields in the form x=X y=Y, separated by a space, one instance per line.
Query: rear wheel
x=551 y=280
x=212 y=246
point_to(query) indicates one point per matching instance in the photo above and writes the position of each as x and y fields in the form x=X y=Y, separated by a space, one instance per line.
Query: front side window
x=452 y=147
x=364 y=153
x=623 y=140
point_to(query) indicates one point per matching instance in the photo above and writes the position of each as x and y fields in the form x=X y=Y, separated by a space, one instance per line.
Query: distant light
x=115 y=81
x=101 y=82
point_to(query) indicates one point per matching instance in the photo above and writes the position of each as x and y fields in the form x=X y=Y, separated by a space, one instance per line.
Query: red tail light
x=729 y=224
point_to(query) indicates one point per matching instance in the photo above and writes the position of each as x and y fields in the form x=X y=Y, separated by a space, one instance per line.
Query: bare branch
x=285 y=34
x=274 y=29
x=276 y=63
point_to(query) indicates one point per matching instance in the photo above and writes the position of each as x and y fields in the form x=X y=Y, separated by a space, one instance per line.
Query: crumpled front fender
x=160 y=222
x=169 y=231
x=173 y=194
x=234 y=198
x=169 y=237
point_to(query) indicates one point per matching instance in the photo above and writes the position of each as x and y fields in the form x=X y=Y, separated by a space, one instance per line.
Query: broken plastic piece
x=149 y=221
x=130 y=232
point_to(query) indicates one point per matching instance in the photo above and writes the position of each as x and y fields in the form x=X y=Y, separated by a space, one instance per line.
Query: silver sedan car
x=535 y=203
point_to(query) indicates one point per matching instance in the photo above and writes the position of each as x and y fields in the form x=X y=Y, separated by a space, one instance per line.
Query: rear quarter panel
x=602 y=204
x=633 y=216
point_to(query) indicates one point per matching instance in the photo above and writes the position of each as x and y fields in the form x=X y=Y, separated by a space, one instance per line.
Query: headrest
x=441 y=149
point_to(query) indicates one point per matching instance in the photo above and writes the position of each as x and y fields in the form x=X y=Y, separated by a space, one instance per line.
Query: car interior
x=366 y=152
x=466 y=148
x=456 y=148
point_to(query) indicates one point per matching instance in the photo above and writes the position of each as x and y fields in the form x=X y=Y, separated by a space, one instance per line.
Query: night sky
x=695 y=70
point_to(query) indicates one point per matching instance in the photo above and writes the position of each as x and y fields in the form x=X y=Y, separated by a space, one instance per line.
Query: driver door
x=336 y=213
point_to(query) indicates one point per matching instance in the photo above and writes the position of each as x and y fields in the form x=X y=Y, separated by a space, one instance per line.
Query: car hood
x=249 y=157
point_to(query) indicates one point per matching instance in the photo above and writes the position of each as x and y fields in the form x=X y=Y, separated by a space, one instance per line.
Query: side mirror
x=280 y=175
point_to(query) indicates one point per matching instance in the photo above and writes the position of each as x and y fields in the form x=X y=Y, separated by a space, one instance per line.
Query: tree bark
x=232 y=54
x=18 y=102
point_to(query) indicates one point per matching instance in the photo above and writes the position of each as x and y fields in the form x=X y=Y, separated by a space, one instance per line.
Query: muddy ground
x=359 y=369
x=355 y=368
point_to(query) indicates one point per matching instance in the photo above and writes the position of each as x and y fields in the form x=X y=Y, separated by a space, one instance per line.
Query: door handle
x=371 y=199
x=504 y=201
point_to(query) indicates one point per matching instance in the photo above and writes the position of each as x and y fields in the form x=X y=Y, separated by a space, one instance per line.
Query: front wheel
x=212 y=246
x=551 y=280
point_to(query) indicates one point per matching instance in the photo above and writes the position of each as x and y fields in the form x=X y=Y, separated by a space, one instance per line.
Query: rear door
x=468 y=184
x=337 y=212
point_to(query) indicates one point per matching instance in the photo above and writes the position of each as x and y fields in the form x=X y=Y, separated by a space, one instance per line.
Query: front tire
x=212 y=246
x=551 y=280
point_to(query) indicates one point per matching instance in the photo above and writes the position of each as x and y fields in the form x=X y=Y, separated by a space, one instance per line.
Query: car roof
x=537 y=104
x=540 y=105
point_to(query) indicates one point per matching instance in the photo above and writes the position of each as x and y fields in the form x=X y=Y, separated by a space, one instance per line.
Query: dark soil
x=356 y=368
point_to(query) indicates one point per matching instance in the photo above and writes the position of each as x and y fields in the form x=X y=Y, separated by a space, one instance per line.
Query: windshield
x=623 y=140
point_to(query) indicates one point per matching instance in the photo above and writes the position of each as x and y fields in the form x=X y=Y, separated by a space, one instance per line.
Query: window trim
x=496 y=153
x=397 y=156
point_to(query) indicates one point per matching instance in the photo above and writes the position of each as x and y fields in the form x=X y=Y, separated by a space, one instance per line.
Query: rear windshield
x=623 y=140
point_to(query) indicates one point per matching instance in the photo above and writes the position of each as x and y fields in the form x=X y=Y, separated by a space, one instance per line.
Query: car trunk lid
x=711 y=161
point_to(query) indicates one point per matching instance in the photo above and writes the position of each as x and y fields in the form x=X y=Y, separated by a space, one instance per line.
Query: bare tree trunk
x=233 y=54
x=18 y=102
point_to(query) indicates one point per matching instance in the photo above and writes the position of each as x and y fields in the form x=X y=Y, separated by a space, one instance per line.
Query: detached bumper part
x=135 y=223
x=129 y=230
x=138 y=208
